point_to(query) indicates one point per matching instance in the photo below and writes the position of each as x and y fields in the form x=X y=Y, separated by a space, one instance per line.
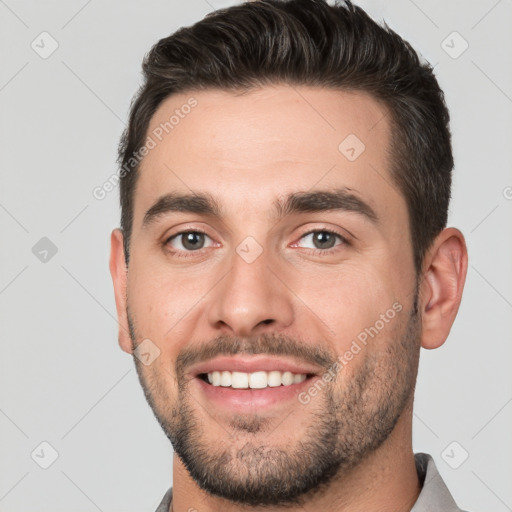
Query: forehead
x=263 y=144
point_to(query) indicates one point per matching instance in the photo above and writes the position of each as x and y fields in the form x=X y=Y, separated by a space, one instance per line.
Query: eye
x=189 y=241
x=322 y=240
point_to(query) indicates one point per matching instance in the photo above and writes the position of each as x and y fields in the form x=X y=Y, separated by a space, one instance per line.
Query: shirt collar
x=434 y=494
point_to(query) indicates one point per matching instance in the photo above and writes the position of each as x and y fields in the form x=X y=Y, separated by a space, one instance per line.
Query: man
x=285 y=180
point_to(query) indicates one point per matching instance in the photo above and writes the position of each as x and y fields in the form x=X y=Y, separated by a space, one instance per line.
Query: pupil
x=323 y=240
x=191 y=240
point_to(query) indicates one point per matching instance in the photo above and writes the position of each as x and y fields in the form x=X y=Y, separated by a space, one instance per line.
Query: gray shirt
x=434 y=495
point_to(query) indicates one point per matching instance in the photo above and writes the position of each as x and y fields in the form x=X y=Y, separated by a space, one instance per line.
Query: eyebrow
x=298 y=202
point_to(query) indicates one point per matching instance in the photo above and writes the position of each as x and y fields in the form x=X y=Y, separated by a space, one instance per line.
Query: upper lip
x=253 y=363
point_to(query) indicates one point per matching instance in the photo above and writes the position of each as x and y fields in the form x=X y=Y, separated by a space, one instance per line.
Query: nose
x=251 y=299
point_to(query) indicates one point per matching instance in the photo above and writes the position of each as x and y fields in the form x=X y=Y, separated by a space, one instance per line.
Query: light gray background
x=63 y=378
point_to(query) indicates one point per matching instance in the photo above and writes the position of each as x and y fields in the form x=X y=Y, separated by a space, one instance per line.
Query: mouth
x=241 y=384
x=256 y=380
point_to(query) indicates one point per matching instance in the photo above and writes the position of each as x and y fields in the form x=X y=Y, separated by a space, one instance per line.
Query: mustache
x=275 y=345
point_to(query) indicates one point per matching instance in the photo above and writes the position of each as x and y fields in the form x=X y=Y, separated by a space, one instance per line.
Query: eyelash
x=188 y=254
x=322 y=252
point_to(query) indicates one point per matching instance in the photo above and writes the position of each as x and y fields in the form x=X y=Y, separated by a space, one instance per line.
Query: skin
x=246 y=151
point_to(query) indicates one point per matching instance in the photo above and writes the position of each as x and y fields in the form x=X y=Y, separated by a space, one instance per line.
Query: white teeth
x=256 y=380
x=287 y=378
x=239 y=380
x=225 y=379
x=274 y=379
x=298 y=378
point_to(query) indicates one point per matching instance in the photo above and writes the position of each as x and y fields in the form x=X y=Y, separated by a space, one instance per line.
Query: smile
x=245 y=383
x=255 y=380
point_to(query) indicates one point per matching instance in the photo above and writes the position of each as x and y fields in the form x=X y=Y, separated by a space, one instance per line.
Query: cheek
x=349 y=302
x=162 y=299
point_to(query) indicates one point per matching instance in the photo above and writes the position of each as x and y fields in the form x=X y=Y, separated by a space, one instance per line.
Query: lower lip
x=245 y=400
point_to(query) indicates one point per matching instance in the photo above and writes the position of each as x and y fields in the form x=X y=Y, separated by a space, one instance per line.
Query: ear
x=119 y=272
x=444 y=274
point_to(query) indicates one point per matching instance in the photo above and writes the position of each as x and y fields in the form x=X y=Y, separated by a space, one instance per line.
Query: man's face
x=323 y=290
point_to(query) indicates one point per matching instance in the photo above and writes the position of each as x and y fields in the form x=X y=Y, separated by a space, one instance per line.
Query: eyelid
x=332 y=231
x=184 y=252
x=344 y=240
x=183 y=231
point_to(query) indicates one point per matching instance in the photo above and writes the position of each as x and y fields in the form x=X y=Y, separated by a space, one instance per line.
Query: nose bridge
x=250 y=296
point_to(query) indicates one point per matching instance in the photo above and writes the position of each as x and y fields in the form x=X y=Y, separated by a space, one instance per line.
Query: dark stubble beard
x=350 y=418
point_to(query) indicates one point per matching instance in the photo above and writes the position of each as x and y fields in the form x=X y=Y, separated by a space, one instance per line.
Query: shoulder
x=165 y=504
x=434 y=494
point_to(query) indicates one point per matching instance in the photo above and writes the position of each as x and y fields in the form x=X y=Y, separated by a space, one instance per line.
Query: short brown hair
x=308 y=42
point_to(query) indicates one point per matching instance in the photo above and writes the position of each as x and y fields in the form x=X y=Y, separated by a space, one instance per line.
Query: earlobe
x=119 y=271
x=442 y=286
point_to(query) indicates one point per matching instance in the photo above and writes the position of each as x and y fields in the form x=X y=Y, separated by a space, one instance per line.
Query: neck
x=385 y=481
